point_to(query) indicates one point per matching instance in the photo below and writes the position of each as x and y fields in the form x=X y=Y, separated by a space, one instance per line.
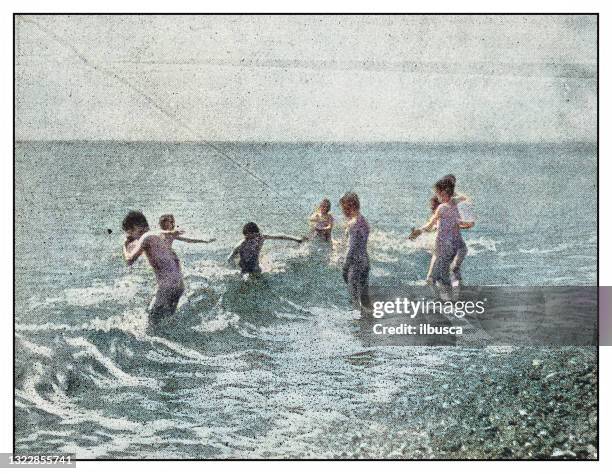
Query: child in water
x=248 y=250
x=434 y=203
x=356 y=268
x=450 y=249
x=162 y=259
x=169 y=233
x=322 y=222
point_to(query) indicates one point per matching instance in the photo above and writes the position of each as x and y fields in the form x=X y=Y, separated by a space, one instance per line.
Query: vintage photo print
x=336 y=236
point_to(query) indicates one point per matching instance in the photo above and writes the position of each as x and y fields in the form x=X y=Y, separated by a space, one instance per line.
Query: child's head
x=135 y=224
x=166 y=222
x=444 y=189
x=325 y=206
x=250 y=228
x=349 y=204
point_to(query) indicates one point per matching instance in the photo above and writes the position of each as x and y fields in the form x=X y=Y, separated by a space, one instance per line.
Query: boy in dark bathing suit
x=248 y=250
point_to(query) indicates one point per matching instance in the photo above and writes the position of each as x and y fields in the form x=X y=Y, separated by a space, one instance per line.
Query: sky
x=306 y=78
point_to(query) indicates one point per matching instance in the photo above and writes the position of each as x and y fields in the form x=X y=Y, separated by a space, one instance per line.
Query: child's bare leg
x=365 y=289
x=441 y=269
x=432 y=265
x=456 y=265
x=164 y=304
x=357 y=281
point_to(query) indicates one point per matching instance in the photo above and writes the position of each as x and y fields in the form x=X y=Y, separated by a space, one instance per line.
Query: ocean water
x=276 y=368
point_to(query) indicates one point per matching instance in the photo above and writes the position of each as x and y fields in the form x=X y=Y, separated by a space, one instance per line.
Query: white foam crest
x=481 y=244
x=47 y=433
x=221 y=321
x=392 y=242
x=248 y=330
x=46 y=327
x=123 y=290
x=125 y=379
x=269 y=265
x=386 y=246
x=179 y=349
x=131 y=321
x=61 y=406
x=35 y=348
x=302 y=250
x=211 y=269
x=189 y=356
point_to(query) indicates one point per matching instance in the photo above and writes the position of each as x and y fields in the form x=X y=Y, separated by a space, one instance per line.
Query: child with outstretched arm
x=435 y=202
x=456 y=198
x=249 y=249
x=449 y=248
x=169 y=233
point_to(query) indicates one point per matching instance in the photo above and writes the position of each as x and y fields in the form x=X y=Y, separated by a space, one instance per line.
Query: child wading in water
x=169 y=233
x=162 y=259
x=322 y=222
x=356 y=268
x=248 y=250
x=434 y=203
x=450 y=249
x=457 y=198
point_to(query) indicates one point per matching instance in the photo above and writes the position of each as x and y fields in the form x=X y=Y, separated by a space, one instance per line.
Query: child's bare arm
x=461 y=198
x=194 y=241
x=282 y=237
x=431 y=223
x=466 y=224
x=234 y=253
x=427 y=227
x=132 y=250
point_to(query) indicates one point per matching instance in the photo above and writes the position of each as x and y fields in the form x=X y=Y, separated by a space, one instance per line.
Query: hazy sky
x=407 y=78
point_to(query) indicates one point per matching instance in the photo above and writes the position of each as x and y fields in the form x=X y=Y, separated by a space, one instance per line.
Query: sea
x=275 y=368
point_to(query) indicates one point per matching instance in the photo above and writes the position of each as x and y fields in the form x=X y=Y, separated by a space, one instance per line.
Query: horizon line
x=360 y=142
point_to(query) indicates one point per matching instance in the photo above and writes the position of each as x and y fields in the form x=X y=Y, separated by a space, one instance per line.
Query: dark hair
x=446 y=186
x=350 y=199
x=250 y=228
x=134 y=219
x=450 y=178
x=164 y=220
x=327 y=203
x=434 y=203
